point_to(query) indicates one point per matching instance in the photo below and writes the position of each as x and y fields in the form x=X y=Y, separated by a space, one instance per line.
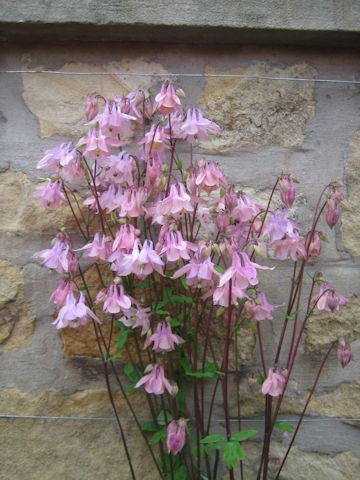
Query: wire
x=129 y=419
x=202 y=75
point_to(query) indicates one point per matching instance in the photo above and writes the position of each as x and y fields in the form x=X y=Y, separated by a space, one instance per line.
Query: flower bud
x=287 y=190
x=315 y=245
x=91 y=107
x=176 y=436
x=252 y=381
x=344 y=352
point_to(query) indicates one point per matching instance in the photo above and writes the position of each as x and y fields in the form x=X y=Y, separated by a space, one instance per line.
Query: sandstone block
x=16 y=318
x=257 y=113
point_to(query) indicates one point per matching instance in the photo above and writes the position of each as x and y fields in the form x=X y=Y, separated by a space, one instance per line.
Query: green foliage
x=232 y=450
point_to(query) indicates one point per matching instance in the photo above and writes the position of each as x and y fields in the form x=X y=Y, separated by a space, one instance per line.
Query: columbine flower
x=327 y=299
x=287 y=190
x=58 y=257
x=156 y=139
x=259 y=308
x=50 y=196
x=115 y=301
x=176 y=435
x=196 y=127
x=60 y=294
x=176 y=202
x=167 y=100
x=91 y=107
x=344 y=352
x=163 y=339
x=242 y=272
x=176 y=247
x=274 y=384
x=137 y=317
x=141 y=262
x=98 y=249
x=155 y=381
x=334 y=202
x=290 y=246
x=209 y=176
x=55 y=156
x=73 y=314
x=198 y=273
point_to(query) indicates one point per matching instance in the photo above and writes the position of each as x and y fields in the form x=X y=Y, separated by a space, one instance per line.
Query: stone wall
x=311 y=129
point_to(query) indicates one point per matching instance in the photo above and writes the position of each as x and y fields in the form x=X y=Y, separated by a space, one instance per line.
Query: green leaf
x=183 y=282
x=82 y=289
x=131 y=373
x=284 y=426
x=161 y=417
x=184 y=362
x=215 y=438
x=179 y=474
x=121 y=339
x=181 y=299
x=148 y=426
x=114 y=357
x=218 y=268
x=243 y=435
x=161 y=312
x=232 y=453
x=158 y=436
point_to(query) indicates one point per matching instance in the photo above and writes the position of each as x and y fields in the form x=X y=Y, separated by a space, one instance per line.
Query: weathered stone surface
x=58 y=449
x=322 y=327
x=58 y=100
x=351 y=220
x=21 y=214
x=257 y=113
x=246 y=341
x=341 y=402
x=82 y=341
x=16 y=318
x=301 y=465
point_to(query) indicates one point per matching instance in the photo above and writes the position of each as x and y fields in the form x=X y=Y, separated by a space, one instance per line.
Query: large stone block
x=351 y=221
x=300 y=465
x=16 y=318
x=322 y=327
x=70 y=449
x=258 y=113
x=20 y=214
x=343 y=401
x=58 y=100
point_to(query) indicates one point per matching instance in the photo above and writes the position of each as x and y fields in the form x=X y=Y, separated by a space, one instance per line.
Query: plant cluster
x=185 y=249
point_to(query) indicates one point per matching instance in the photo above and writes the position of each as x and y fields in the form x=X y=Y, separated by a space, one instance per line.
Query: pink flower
x=196 y=127
x=344 y=352
x=58 y=258
x=198 y=273
x=290 y=246
x=209 y=177
x=156 y=139
x=155 y=381
x=244 y=210
x=277 y=225
x=63 y=289
x=91 y=107
x=133 y=201
x=176 y=247
x=167 y=100
x=327 y=299
x=97 y=144
x=176 y=435
x=141 y=262
x=287 y=190
x=334 y=202
x=55 y=156
x=98 y=249
x=124 y=239
x=137 y=317
x=315 y=245
x=177 y=202
x=73 y=314
x=259 y=309
x=242 y=272
x=115 y=301
x=50 y=196
x=163 y=339
x=274 y=384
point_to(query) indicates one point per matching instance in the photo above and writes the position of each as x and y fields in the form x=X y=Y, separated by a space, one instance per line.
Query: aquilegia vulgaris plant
x=184 y=251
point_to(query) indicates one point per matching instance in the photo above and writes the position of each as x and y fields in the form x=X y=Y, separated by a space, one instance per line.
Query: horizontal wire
x=129 y=419
x=202 y=75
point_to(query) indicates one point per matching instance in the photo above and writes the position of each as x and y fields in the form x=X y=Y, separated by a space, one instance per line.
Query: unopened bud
x=344 y=352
